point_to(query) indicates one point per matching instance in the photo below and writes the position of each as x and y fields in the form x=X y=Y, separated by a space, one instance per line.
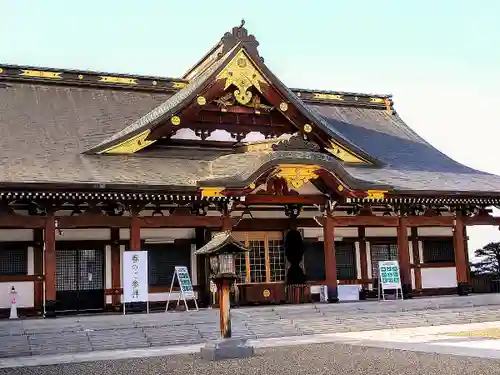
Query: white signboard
x=389 y=277
x=348 y=292
x=135 y=276
x=185 y=286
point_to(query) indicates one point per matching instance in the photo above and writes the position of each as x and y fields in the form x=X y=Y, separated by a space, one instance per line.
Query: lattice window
x=257 y=258
x=346 y=260
x=241 y=268
x=66 y=270
x=438 y=251
x=277 y=260
x=265 y=262
x=381 y=252
x=13 y=260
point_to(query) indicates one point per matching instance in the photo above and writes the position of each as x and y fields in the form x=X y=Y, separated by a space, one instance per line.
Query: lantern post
x=222 y=251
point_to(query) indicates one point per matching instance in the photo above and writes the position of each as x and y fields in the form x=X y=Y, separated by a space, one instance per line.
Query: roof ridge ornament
x=239 y=34
x=296 y=143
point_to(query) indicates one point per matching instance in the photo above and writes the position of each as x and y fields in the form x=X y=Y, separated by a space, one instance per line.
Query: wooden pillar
x=38 y=268
x=224 y=286
x=416 y=259
x=202 y=268
x=466 y=248
x=135 y=233
x=227 y=223
x=115 y=267
x=460 y=256
x=362 y=256
x=330 y=258
x=50 y=258
x=404 y=258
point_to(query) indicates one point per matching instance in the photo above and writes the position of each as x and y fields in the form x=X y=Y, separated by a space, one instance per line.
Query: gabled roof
x=237 y=48
x=49 y=118
x=219 y=241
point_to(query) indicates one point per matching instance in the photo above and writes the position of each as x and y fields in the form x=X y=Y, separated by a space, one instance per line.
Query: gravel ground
x=305 y=360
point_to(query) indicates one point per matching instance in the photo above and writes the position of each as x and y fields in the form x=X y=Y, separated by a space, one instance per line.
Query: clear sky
x=439 y=58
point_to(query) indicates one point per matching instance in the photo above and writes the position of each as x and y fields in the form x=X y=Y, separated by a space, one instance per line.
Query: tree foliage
x=488 y=262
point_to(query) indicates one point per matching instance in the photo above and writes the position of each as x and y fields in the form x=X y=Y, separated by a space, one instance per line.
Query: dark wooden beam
x=428 y=221
x=21 y=221
x=366 y=221
x=258 y=224
x=180 y=221
x=93 y=221
x=482 y=220
x=285 y=199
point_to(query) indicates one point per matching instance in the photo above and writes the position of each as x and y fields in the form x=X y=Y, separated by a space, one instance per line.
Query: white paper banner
x=135 y=276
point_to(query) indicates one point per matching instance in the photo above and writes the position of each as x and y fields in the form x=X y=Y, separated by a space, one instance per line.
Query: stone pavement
x=98 y=333
x=330 y=358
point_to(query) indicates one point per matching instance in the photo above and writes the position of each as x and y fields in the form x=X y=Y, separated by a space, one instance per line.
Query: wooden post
x=466 y=249
x=362 y=256
x=135 y=233
x=224 y=286
x=330 y=258
x=404 y=258
x=416 y=259
x=115 y=267
x=227 y=223
x=460 y=256
x=38 y=267
x=50 y=258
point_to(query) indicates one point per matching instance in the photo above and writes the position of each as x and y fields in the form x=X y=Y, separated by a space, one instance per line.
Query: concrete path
x=160 y=330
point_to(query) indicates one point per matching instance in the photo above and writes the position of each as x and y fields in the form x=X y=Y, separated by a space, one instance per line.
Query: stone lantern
x=221 y=251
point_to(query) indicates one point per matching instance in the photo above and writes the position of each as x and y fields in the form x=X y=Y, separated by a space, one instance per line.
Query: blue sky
x=440 y=59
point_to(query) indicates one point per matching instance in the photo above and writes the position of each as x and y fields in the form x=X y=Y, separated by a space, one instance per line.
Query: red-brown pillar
x=227 y=223
x=38 y=267
x=50 y=258
x=404 y=258
x=330 y=258
x=416 y=259
x=362 y=257
x=224 y=288
x=466 y=249
x=135 y=233
x=460 y=257
x=115 y=267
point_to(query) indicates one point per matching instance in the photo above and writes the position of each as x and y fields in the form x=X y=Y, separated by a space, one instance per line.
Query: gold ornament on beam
x=307 y=128
x=175 y=120
x=242 y=73
x=283 y=107
x=375 y=194
x=296 y=174
x=201 y=100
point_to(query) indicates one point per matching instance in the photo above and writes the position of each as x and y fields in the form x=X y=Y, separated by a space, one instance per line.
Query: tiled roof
x=45 y=128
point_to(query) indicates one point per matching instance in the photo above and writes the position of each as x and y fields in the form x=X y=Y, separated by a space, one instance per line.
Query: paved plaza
x=316 y=359
x=387 y=324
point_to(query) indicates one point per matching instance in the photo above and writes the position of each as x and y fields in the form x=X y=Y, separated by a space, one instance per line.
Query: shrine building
x=95 y=164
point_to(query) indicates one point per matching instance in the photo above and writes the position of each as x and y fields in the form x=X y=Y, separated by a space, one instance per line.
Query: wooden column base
x=463 y=289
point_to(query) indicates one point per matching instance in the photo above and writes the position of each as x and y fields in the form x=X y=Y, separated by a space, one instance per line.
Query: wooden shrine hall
x=319 y=185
